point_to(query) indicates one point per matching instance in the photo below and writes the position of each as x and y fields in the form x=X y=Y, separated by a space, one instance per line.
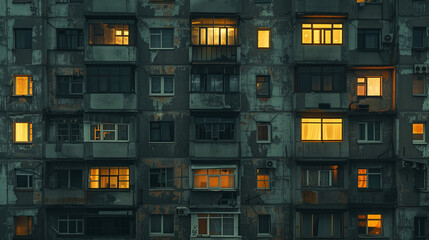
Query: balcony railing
x=215 y=53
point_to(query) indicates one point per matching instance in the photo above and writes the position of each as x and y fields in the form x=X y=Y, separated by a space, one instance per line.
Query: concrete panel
x=103 y=197
x=111 y=6
x=320 y=6
x=65 y=150
x=101 y=101
x=319 y=149
x=321 y=53
x=312 y=100
x=110 y=53
x=334 y=196
x=214 y=101
x=113 y=150
x=373 y=197
x=214 y=149
x=65 y=57
x=64 y=196
x=216 y=6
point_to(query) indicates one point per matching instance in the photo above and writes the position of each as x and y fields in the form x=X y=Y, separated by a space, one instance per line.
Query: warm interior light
x=23 y=225
x=263 y=38
x=22 y=85
x=417 y=128
x=374 y=86
x=23 y=132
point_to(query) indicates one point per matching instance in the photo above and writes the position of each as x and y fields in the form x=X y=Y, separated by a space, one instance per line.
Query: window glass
x=214 y=178
x=110 y=34
x=369 y=86
x=23 y=225
x=264 y=222
x=108 y=226
x=369 y=132
x=161 y=38
x=370 y=224
x=110 y=79
x=113 y=177
x=419 y=86
x=263 y=86
x=323 y=225
x=162 y=131
x=214 y=129
x=215 y=79
x=418 y=132
x=320 y=79
x=368 y=39
x=264 y=38
x=23 y=85
x=369 y=178
x=23 y=132
x=214 y=31
x=70 y=224
x=322 y=34
x=263 y=178
x=419 y=37
x=161 y=178
x=264 y=132
x=326 y=129
x=69 y=38
x=23 y=38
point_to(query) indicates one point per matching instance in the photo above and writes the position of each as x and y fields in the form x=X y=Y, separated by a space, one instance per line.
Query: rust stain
x=22 y=100
x=264 y=99
x=243 y=123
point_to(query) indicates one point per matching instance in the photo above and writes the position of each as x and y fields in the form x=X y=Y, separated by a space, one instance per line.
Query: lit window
x=161 y=224
x=419 y=88
x=110 y=177
x=369 y=86
x=264 y=224
x=24 y=179
x=263 y=86
x=263 y=178
x=69 y=86
x=263 y=38
x=419 y=133
x=213 y=178
x=22 y=85
x=320 y=79
x=368 y=1
x=419 y=36
x=161 y=38
x=420 y=179
x=109 y=132
x=68 y=132
x=162 y=85
x=161 y=178
x=217 y=80
x=322 y=225
x=369 y=178
x=214 y=31
x=368 y=39
x=69 y=178
x=370 y=224
x=321 y=176
x=324 y=34
x=321 y=129
x=162 y=131
x=110 y=79
x=22 y=132
x=369 y=132
x=70 y=224
x=23 y=225
x=69 y=38
x=419 y=227
x=264 y=132
x=215 y=224
x=23 y=38
x=110 y=34
x=214 y=129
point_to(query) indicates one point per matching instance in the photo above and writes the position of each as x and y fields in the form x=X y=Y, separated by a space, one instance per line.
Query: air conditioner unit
x=421 y=68
x=408 y=164
x=182 y=211
x=388 y=38
x=270 y=164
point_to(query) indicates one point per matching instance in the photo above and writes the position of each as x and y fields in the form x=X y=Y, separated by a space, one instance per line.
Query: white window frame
x=29 y=176
x=162 y=93
x=88 y=128
x=365 y=124
x=222 y=217
x=319 y=172
x=269 y=227
x=68 y=220
x=70 y=81
x=423 y=141
x=268 y=125
x=160 y=34
x=162 y=226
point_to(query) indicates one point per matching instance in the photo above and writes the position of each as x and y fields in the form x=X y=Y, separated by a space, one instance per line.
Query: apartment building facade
x=202 y=119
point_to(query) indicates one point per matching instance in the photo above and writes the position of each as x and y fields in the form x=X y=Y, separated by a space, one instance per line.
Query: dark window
x=214 y=129
x=419 y=227
x=162 y=85
x=368 y=39
x=69 y=38
x=369 y=178
x=23 y=38
x=322 y=225
x=369 y=132
x=419 y=34
x=263 y=86
x=321 y=176
x=161 y=38
x=420 y=179
x=263 y=132
x=110 y=79
x=215 y=79
x=108 y=226
x=162 y=131
x=69 y=86
x=419 y=85
x=69 y=178
x=69 y=132
x=111 y=34
x=69 y=224
x=161 y=224
x=161 y=178
x=320 y=79
x=264 y=224
x=24 y=179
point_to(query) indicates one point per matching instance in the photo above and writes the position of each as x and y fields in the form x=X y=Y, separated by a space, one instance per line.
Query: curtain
x=156 y=84
x=311 y=131
x=374 y=86
x=332 y=129
x=215 y=226
x=324 y=225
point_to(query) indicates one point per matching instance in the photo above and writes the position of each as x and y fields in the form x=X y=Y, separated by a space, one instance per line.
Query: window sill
x=70 y=96
x=23 y=143
x=263 y=142
x=109 y=190
x=263 y=235
x=419 y=95
x=369 y=142
x=260 y=96
x=161 y=48
x=161 y=95
x=70 y=49
x=161 y=235
x=419 y=49
x=110 y=45
x=23 y=189
x=107 y=141
x=215 y=141
x=370 y=189
x=419 y=143
x=368 y=50
x=214 y=189
x=162 y=142
x=161 y=189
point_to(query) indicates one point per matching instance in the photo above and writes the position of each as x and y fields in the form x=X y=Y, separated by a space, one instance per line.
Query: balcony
x=214 y=199
x=123 y=7
x=109 y=198
x=215 y=6
x=216 y=101
x=313 y=100
x=110 y=53
x=110 y=101
x=215 y=53
x=322 y=149
x=331 y=6
x=64 y=196
x=64 y=150
x=321 y=196
x=383 y=197
x=213 y=149
x=65 y=57
x=110 y=149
